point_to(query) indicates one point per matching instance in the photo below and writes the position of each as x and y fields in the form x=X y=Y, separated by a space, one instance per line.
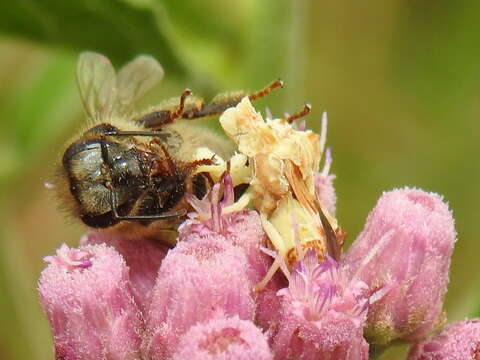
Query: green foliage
x=209 y=41
x=119 y=29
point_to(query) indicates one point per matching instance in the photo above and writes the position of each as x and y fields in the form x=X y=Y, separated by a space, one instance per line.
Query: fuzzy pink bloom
x=244 y=229
x=269 y=305
x=224 y=339
x=405 y=248
x=88 y=300
x=457 y=341
x=211 y=207
x=241 y=228
x=142 y=256
x=197 y=280
x=323 y=314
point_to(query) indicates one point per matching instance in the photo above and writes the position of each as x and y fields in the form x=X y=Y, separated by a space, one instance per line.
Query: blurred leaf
x=228 y=44
x=214 y=44
x=36 y=111
x=267 y=50
x=43 y=109
x=119 y=29
x=209 y=34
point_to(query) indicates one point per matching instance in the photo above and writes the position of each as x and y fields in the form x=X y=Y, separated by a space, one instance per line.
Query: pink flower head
x=142 y=256
x=323 y=313
x=197 y=280
x=70 y=259
x=457 y=341
x=243 y=229
x=225 y=339
x=405 y=248
x=87 y=297
x=240 y=228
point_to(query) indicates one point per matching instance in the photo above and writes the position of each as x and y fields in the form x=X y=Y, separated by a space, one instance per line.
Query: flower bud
x=224 y=338
x=142 y=256
x=87 y=297
x=457 y=341
x=197 y=280
x=405 y=250
x=323 y=314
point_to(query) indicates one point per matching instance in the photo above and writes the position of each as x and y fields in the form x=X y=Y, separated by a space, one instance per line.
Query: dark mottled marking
x=239 y=190
x=199 y=186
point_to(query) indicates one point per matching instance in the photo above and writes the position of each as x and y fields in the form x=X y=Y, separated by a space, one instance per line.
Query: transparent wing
x=97 y=83
x=135 y=79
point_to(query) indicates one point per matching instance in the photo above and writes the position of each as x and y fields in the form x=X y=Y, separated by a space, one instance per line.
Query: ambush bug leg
x=278 y=263
x=304 y=112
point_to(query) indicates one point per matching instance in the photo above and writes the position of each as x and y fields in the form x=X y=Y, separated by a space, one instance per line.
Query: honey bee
x=129 y=171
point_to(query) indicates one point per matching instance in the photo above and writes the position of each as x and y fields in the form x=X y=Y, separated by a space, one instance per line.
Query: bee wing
x=97 y=83
x=135 y=79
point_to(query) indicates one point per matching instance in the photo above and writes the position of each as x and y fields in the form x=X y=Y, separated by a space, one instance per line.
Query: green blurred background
x=400 y=80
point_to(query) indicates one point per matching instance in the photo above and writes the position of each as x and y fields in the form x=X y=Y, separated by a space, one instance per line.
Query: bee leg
x=165 y=165
x=227 y=100
x=156 y=119
x=114 y=206
x=304 y=112
x=266 y=90
x=177 y=114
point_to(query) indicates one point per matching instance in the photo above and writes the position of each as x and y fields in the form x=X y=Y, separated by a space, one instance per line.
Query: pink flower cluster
x=117 y=297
